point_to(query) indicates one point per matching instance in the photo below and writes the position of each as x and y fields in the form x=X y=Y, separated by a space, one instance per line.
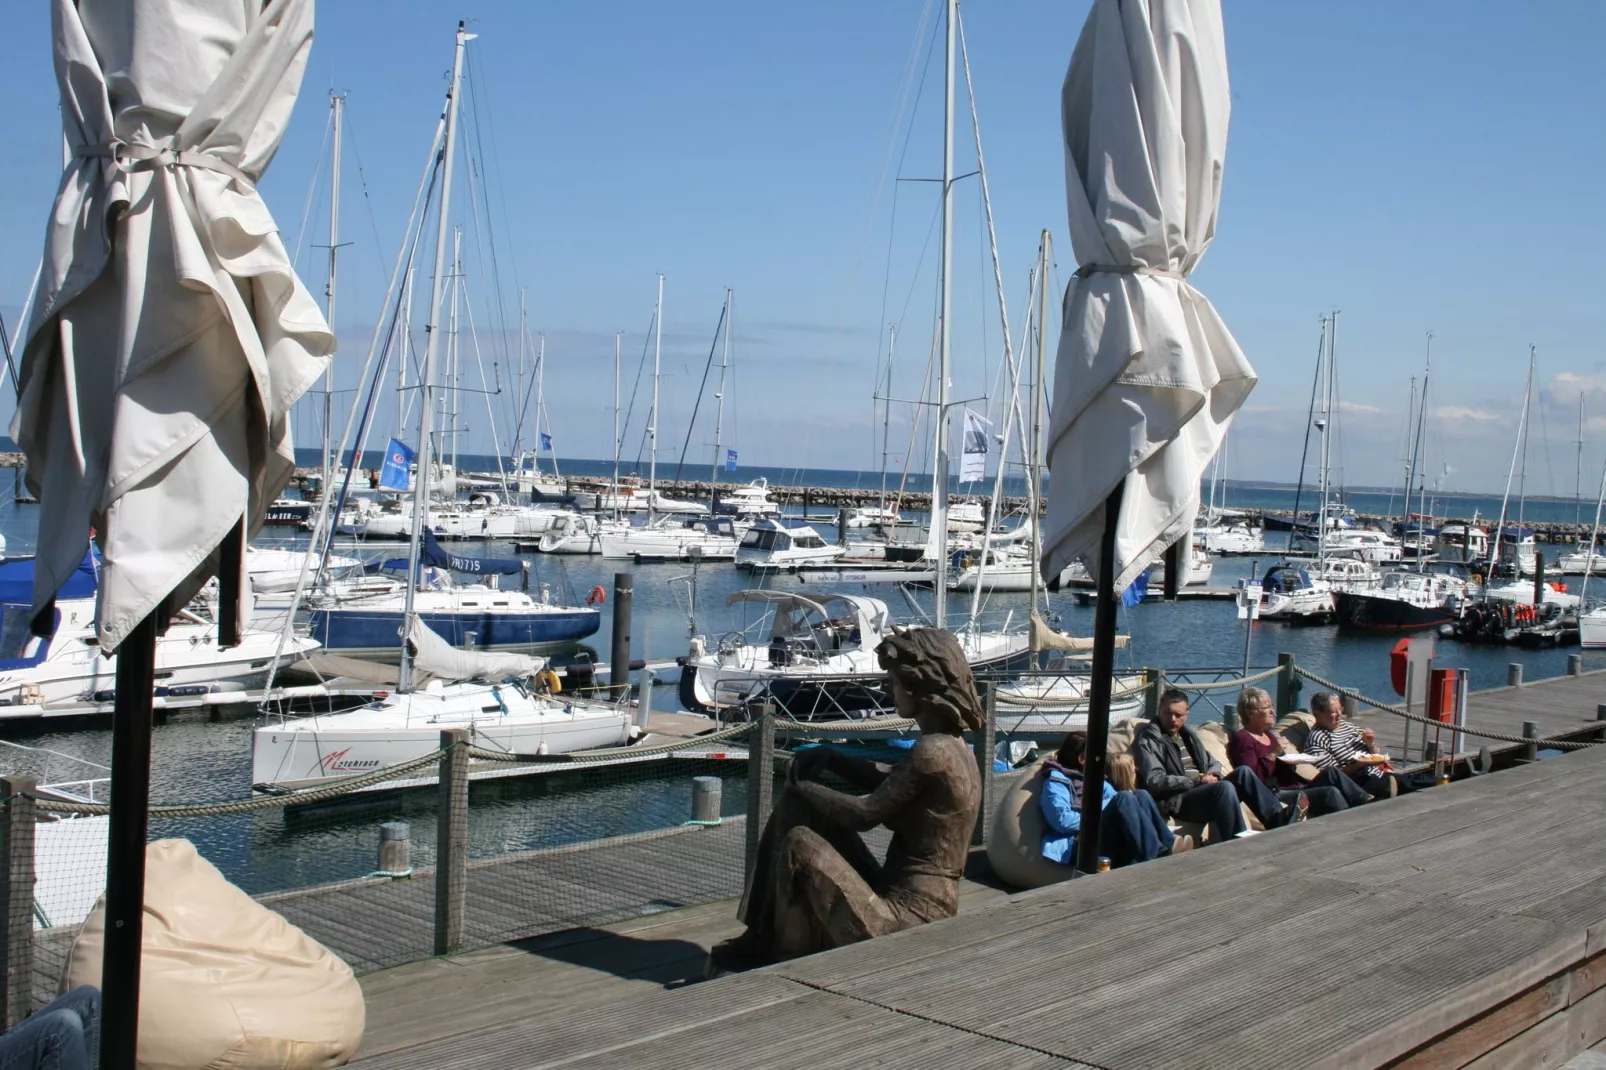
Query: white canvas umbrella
x=169 y=334
x=169 y=337
x=1147 y=376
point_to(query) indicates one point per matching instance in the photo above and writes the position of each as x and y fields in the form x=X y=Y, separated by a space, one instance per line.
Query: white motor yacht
x=1289 y=593
x=1376 y=547
x=772 y=546
x=752 y=501
x=1584 y=559
x=494 y=697
x=873 y=516
x=275 y=571
x=966 y=516
x=1592 y=628
x=1518 y=548
x=1234 y=537
x=1462 y=542
x=672 y=539
x=574 y=533
x=814 y=657
x=69 y=667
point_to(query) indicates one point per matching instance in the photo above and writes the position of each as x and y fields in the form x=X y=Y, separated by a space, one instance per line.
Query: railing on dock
x=387 y=876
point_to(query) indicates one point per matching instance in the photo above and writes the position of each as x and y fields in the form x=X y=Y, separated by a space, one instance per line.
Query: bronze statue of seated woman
x=815 y=884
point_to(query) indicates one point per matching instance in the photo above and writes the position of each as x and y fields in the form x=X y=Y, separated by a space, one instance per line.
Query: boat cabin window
x=760 y=539
x=14 y=632
x=809 y=542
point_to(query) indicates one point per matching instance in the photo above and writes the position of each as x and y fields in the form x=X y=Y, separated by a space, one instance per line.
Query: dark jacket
x=1160 y=767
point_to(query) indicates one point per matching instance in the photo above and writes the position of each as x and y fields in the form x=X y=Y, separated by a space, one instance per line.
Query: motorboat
x=1522 y=592
x=1519 y=552
x=1462 y=542
x=494 y=697
x=572 y=533
x=1405 y=601
x=1592 y=628
x=1200 y=568
x=873 y=516
x=1584 y=559
x=966 y=516
x=814 y=657
x=1234 y=537
x=288 y=511
x=1289 y=593
x=1376 y=547
x=612 y=499
x=752 y=501
x=68 y=666
x=274 y=571
x=1008 y=569
x=673 y=539
x=1343 y=572
x=771 y=545
x=479 y=616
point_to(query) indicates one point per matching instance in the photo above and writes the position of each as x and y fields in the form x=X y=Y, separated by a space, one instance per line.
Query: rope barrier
x=1399 y=711
x=591 y=757
x=344 y=786
x=1220 y=685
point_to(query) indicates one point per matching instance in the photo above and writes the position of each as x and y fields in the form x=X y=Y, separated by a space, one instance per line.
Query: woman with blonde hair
x=1258 y=746
x=1133 y=829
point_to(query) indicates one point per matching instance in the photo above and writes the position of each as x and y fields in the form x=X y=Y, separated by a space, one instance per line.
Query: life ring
x=597 y=596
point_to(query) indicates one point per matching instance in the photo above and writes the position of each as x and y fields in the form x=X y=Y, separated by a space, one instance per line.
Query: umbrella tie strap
x=1126 y=269
x=130 y=158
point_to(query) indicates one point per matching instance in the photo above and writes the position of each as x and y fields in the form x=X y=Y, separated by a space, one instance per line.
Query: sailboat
x=493 y=696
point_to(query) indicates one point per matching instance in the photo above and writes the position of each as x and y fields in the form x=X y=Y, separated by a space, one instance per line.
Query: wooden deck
x=1461 y=926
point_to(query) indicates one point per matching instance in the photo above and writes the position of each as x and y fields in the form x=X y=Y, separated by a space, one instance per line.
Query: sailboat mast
x=719 y=398
x=652 y=427
x=1419 y=461
x=939 y=504
x=454 y=355
x=337 y=105
x=886 y=415
x=1034 y=473
x=617 y=337
x=1527 y=428
x=1327 y=438
x=421 y=483
x=1578 y=467
x=540 y=403
x=1511 y=473
x=406 y=355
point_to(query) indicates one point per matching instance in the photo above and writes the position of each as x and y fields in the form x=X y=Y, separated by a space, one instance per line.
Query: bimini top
x=870 y=613
x=16 y=580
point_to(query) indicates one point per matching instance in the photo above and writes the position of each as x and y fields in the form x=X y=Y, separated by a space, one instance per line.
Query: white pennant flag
x=973 y=460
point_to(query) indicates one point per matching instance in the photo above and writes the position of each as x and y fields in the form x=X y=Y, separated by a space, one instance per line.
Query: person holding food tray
x=1258 y=746
x=1335 y=743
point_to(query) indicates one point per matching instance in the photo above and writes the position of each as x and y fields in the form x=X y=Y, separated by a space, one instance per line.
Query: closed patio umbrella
x=168 y=339
x=1147 y=376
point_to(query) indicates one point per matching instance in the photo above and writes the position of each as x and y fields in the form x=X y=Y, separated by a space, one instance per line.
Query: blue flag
x=1136 y=590
x=546 y=442
x=730 y=460
x=397 y=468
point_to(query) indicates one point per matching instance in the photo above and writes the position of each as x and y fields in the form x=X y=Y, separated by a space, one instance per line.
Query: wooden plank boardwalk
x=1462 y=926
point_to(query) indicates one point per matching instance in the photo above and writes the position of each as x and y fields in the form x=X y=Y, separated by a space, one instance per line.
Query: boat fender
x=597 y=596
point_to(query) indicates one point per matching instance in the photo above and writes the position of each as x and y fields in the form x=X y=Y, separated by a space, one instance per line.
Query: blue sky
x=1428 y=166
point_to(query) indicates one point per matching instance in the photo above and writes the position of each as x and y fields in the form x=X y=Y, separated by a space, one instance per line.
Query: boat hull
x=367 y=632
x=1375 y=613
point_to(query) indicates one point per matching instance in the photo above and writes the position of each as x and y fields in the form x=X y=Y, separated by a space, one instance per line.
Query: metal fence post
x=451 y=841
x=16 y=895
x=760 y=784
x=1286 y=684
x=984 y=762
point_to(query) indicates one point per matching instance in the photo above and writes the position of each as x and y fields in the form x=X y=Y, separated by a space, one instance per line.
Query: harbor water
x=205 y=755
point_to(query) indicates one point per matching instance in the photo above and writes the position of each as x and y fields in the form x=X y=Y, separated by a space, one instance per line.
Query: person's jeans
x=1265 y=804
x=62 y=1035
x=1215 y=805
x=1377 y=787
x=1353 y=793
x=1133 y=830
x=1322 y=800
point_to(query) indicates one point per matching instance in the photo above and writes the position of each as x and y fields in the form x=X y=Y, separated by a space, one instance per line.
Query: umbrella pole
x=125 y=863
x=1098 y=710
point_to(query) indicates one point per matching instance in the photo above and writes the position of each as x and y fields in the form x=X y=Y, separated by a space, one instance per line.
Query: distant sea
x=1231 y=494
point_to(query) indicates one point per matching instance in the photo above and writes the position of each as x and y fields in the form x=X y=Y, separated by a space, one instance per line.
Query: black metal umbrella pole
x=1098 y=708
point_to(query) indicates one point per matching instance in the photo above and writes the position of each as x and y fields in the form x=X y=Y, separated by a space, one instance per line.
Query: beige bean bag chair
x=1015 y=840
x=224 y=981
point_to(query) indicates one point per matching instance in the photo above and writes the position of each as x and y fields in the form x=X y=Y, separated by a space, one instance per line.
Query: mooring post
x=760 y=782
x=1153 y=684
x=451 y=841
x=395 y=850
x=984 y=762
x=1350 y=706
x=16 y=896
x=1514 y=674
x=706 y=794
x=1575 y=665
x=1600 y=715
x=1530 y=730
x=1286 y=684
x=624 y=588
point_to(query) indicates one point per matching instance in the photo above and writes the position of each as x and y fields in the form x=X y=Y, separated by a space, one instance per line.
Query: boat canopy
x=792 y=610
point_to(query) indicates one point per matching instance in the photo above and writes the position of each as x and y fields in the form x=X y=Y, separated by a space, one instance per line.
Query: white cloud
x=1462 y=412
x=1357 y=407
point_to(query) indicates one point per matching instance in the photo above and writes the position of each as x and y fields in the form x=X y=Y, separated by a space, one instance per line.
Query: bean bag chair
x=1015 y=839
x=1295 y=728
x=224 y=981
x=1213 y=734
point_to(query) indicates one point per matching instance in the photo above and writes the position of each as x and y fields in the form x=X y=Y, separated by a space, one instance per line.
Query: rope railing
x=1222 y=685
x=591 y=757
x=343 y=786
x=1400 y=711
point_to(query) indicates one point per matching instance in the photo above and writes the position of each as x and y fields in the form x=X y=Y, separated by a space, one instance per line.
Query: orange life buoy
x=596 y=597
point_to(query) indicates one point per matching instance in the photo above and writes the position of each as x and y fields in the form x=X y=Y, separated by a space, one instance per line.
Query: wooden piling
x=451 y=842
x=1530 y=730
x=1514 y=674
x=706 y=795
x=1575 y=664
x=16 y=897
x=395 y=850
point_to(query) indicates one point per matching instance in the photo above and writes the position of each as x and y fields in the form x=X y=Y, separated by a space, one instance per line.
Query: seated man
x=1189 y=785
x=815 y=884
x=1258 y=746
x=62 y=1035
x=1337 y=744
x=1132 y=830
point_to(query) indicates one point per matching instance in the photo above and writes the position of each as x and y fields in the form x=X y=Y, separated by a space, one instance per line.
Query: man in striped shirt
x=1338 y=744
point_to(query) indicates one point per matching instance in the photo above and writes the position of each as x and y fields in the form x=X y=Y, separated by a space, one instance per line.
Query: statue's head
x=932 y=680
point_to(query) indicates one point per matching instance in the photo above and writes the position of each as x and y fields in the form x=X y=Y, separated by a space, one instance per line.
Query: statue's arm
x=900 y=787
x=860 y=772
